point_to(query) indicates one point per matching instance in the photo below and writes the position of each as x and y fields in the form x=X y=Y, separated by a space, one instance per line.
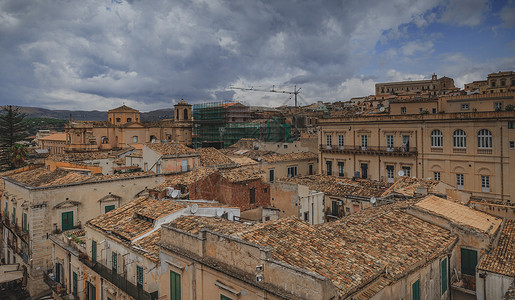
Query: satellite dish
x=259 y=159
x=175 y=193
x=256 y=147
x=220 y=212
x=169 y=191
x=373 y=200
x=381 y=109
x=194 y=208
x=230 y=216
x=401 y=173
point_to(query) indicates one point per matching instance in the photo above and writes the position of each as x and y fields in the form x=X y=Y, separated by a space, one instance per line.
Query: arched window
x=436 y=138
x=459 y=139
x=177 y=114
x=484 y=138
x=185 y=114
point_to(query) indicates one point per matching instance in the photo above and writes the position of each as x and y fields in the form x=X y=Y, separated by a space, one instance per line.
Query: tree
x=12 y=130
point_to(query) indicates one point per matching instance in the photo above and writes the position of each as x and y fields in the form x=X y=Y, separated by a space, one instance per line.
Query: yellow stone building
x=124 y=127
x=469 y=144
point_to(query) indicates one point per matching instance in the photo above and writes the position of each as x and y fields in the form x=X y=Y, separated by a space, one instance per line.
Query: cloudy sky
x=98 y=54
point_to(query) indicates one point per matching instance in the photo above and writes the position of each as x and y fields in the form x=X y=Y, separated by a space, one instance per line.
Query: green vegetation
x=35 y=124
x=12 y=131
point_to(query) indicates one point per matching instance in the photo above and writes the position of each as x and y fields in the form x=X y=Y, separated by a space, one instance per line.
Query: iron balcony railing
x=370 y=149
x=121 y=282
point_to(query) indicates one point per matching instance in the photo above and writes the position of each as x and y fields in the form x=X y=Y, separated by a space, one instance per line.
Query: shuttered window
x=175 y=286
x=94 y=251
x=109 y=208
x=139 y=276
x=468 y=262
x=444 y=275
x=415 y=290
x=114 y=261
x=67 y=220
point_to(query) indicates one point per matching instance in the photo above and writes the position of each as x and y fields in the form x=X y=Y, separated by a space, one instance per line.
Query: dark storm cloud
x=92 y=54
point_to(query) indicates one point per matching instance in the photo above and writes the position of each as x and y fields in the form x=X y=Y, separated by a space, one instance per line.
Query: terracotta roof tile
x=501 y=259
x=460 y=214
x=213 y=157
x=80 y=156
x=185 y=179
x=271 y=158
x=54 y=137
x=170 y=148
x=338 y=186
x=43 y=177
x=242 y=174
x=123 y=108
x=407 y=186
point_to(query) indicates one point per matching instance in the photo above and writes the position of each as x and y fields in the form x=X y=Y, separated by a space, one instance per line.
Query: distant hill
x=94 y=115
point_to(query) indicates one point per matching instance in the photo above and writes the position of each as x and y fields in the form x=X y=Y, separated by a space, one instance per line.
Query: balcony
x=119 y=281
x=371 y=150
x=56 y=287
x=484 y=151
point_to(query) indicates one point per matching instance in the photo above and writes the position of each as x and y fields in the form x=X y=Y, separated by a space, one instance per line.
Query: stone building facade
x=434 y=87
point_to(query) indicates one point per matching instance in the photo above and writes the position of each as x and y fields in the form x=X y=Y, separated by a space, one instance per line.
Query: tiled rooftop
x=338 y=186
x=241 y=174
x=54 y=137
x=80 y=156
x=501 y=259
x=170 y=148
x=213 y=157
x=460 y=214
x=407 y=186
x=118 y=176
x=271 y=158
x=185 y=179
x=351 y=252
x=123 y=108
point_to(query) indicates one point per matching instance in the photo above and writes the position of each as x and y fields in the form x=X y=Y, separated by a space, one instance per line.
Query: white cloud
x=507 y=14
x=394 y=75
x=465 y=12
x=417 y=48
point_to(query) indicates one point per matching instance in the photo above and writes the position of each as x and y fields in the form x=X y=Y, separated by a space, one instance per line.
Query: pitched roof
x=213 y=157
x=43 y=177
x=338 y=186
x=460 y=214
x=407 y=186
x=184 y=179
x=123 y=108
x=351 y=252
x=501 y=259
x=80 y=156
x=271 y=158
x=170 y=148
x=242 y=174
x=54 y=137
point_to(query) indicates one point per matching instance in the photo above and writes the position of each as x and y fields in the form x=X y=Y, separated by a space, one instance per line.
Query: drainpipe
x=483 y=276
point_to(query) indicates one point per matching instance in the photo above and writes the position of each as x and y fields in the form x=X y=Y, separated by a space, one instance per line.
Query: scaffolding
x=221 y=124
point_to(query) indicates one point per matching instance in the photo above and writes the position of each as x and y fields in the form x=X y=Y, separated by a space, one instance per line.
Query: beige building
x=54 y=143
x=472 y=151
x=39 y=202
x=169 y=158
x=124 y=127
x=434 y=87
x=116 y=255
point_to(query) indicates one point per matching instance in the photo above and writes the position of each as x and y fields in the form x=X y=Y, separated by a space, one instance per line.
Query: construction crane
x=273 y=90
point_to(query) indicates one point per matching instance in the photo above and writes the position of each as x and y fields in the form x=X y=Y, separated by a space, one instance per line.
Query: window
x=306 y=216
x=468 y=262
x=108 y=208
x=364 y=170
x=492 y=83
x=459 y=139
x=185 y=114
x=94 y=251
x=292 y=171
x=118 y=119
x=223 y=297
x=389 y=142
x=135 y=139
x=252 y=195
x=129 y=120
x=13 y=220
x=407 y=171
x=436 y=176
x=24 y=222
x=443 y=272
x=328 y=141
x=334 y=208
x=340 y=141
x=364 y=142
x=341 y=169
x=329 y=167
x=459 y=181
x=58 y=272
x=465 y=106
x=158 y=167
x=145 y=167
x=415 y=290
x=175 y=286
x=67 y=220
x=512 y=144
x=310 y=169
x=403 y=110
x=75 y=284
x=114 y=262
x=434 y=110
x=511 y=124
x=436 y=138
x=498 y=106
x=420 y=110
x=139 y=276
x=485 y=184
x=484 y=138
x=390 y=173
x=271 y=175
